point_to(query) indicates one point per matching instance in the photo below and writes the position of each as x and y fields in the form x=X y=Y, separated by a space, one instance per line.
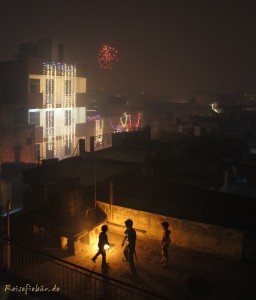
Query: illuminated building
x=50 y=93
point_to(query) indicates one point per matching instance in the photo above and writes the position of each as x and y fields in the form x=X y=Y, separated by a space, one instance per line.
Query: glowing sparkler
x=107 y=56
x=106 y=247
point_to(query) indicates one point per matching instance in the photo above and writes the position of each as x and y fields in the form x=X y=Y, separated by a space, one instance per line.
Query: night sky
x=167 y=47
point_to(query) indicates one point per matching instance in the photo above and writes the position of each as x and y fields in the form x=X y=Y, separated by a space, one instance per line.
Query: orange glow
x=106 y=247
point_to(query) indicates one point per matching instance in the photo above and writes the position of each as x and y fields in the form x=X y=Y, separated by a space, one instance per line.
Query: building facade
x=49 y=94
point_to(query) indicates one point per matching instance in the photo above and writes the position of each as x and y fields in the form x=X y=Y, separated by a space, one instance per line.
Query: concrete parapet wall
x=197 y=236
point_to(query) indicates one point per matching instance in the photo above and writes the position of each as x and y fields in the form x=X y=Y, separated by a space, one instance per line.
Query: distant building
x=49 y=94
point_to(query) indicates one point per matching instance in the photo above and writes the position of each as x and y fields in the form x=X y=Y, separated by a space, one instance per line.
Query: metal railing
x=34 y=268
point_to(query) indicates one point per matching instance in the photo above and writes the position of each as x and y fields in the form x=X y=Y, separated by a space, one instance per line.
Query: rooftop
x=190 y=275
x=160 y=196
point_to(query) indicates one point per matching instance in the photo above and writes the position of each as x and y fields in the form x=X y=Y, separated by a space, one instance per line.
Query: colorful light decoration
x=99 y=127
x=215 y=107
x=125 y=120
x=64 y=75
x=124 y=124
x=138 y=123
x=116 y=128
x=60 y=94
x=107 y=56
x=93 y=118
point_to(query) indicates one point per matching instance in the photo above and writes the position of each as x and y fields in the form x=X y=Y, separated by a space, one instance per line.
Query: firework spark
x=107 y=56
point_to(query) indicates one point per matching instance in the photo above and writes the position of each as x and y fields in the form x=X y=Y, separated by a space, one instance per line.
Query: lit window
x=34 y=118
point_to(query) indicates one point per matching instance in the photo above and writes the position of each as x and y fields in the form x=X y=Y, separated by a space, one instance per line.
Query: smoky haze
x=168 y=47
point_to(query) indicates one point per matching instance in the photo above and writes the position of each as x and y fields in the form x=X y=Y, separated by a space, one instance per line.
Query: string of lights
x=60 y=93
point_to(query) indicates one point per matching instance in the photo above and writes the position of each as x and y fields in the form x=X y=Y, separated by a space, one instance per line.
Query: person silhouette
x=129 y=250
x=103 y=240
x=165 y=242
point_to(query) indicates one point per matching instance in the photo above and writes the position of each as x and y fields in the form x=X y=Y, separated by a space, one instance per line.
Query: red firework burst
x=107 y=56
